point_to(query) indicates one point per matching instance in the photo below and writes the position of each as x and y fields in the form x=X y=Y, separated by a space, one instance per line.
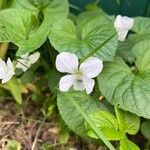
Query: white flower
x=123 y=24
x=27 y=60
x=6 y=70
x=79 y=76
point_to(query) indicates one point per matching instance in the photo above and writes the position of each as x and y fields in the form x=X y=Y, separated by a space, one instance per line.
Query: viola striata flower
x=123 y=24
x=79 y=76
x=6 y=70
x=27 y=60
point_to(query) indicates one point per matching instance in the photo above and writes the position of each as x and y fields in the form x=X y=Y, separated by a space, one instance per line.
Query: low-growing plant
x=96 y=70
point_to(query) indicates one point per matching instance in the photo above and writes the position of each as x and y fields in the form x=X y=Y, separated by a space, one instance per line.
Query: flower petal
x=78 y=85
x=10 y=65
x=88 y=84
x=66 y=82
x=34 y=57
x=91 y=67
x=122 y=35
x=7 y=78
x=66 y=62
x=123 y=25
x=3 y=67
x=6 y=71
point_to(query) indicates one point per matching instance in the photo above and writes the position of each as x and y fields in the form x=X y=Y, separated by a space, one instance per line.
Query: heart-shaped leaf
x=126 y=144
x=22 y=28
x=89 y=32
x=141 y=25
x=128 y=122
x=145 y=129
x=126 y=87
x=52 y=10
x=107 y=123
x=71 y=115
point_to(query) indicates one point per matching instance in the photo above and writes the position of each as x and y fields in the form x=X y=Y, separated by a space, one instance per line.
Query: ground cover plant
x=72 y=79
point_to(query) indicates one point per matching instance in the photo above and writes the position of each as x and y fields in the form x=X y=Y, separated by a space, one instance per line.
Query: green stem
x=89 y=121
x=97 y=48
x=75 y=7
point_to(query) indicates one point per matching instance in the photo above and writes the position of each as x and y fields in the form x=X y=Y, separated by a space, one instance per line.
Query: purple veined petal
x=67 y=62
x=91 y=67
x=88 y=84
x=66 y=82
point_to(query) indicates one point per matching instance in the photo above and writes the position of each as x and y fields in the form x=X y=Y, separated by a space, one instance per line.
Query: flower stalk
x=97 y=48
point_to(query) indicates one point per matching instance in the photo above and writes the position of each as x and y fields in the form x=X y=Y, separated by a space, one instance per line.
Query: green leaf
x=109 y=133
x=63 y=137
x=90 y=31
x=124 y=51
x=52 y=10
x=52 y=84
x=128 y=122
x=13 y=145
x=24 y=30
x=126 y=144
x=104 y=119
x=46 y=147
x=124 y=48
x=142 y=54
x=75 y=106
x=141 y=25
x=145 y=129
x=107 y=123
x=71 y=115
x=14 y=86
x=126 y=89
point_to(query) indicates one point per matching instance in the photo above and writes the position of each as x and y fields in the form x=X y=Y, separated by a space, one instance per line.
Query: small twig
x=37 y=134
x=23 y=64
x=9 y=123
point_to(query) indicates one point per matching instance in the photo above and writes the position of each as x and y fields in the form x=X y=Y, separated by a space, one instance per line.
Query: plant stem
x=97 y=48
x=89 y=121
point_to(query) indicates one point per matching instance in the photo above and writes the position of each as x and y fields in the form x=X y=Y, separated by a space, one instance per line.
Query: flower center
x=79 y=76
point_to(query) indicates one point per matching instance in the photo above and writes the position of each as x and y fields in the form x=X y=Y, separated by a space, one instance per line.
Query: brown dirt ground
x=32 y=132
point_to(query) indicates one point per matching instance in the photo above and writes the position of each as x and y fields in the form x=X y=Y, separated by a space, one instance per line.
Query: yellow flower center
x=79 y=75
